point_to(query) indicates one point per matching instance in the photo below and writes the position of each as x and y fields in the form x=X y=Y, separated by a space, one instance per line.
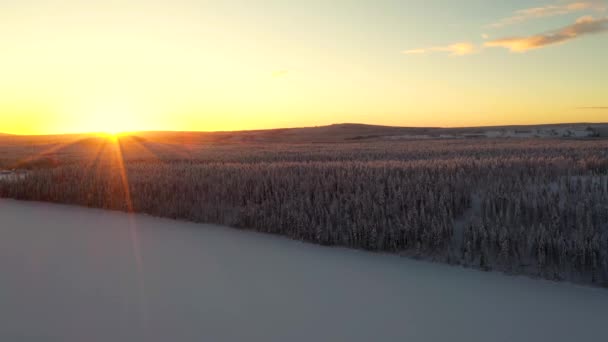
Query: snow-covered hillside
x=74 y=274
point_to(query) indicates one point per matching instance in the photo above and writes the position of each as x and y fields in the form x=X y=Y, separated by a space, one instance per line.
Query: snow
x=76 y=274
x=573 y=131
x=560 y=132
x=11 y=176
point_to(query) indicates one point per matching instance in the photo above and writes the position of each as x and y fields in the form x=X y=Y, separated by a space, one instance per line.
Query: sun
x=112 y=132
x=114 y=122
x=112 y=135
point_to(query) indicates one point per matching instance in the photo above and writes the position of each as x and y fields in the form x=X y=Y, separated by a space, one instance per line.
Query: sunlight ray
x=119 y=165
x=136 y=147
x=45 y=152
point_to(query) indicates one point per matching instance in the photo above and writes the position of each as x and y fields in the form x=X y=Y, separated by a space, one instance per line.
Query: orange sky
x=74 y=66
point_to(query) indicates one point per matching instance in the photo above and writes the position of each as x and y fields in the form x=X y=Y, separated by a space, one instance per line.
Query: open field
x=74 y=274
x=522 y=206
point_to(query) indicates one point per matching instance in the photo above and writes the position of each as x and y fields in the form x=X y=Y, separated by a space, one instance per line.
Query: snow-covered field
x=75 y=274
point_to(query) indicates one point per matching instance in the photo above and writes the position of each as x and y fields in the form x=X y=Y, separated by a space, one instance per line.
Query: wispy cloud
x=583 y=26
x=548 y=11
x=456 y=49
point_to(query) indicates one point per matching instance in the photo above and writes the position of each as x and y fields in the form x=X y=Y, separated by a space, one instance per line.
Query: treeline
x=528 y=207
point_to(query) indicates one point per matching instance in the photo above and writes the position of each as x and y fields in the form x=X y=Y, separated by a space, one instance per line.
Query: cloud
x=548 y=11
x=583 y=26
x=456 y=49
x=594 y=108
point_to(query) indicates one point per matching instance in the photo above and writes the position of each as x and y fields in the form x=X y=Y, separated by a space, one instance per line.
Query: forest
x=537 y=207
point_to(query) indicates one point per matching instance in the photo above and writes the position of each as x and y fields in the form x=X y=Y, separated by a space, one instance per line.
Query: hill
x=344 y=132
x=45 y=150
x=453 y=200
x=361 y=132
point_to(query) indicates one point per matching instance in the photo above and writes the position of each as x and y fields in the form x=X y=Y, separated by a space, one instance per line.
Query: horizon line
x=303 y=127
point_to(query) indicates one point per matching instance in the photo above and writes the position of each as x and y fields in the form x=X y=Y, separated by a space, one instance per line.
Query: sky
x=104 y=65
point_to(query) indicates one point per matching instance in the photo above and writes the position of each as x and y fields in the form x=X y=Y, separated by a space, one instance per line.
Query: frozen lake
x=75 y=274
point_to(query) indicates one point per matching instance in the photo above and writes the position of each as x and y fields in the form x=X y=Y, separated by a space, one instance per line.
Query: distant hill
x=331 y=133
x=345 y=132
x=22 y=151
x=359 y=132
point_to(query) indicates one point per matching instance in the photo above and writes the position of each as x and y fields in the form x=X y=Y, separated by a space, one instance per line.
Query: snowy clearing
x=574 y=131
x=12 y=176
x=75 y=274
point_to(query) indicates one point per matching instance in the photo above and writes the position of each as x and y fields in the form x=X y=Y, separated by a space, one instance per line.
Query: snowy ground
x=74 y=274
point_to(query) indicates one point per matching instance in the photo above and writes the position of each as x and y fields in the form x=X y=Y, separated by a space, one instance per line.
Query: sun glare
x=110 y=132
x=114 y=124
x=107 y=117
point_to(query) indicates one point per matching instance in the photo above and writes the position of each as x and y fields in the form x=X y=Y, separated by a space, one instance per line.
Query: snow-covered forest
x=534 y=207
